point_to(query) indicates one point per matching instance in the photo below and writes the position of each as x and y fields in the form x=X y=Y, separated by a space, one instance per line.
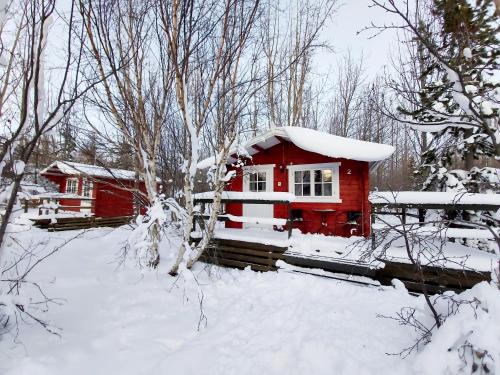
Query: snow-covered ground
x=121 y=320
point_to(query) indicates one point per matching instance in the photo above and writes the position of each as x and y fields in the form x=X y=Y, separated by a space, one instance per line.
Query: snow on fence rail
x=423 y=200
x=251 y=198
x=443 y=231
x=246 y=197
x=432 y=199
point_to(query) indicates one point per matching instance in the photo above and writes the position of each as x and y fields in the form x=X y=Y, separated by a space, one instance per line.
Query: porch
x=356 y=258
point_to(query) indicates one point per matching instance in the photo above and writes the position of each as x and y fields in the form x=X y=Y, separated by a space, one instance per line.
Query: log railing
x=233 y=198
x=381 y=207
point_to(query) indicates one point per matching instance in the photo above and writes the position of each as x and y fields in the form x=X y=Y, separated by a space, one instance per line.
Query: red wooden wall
x=353 y=187
x=111 y=198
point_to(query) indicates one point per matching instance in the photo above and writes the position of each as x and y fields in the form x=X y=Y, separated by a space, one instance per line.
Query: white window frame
x=76 y=185
x=259 y=168
x=91 y=189
x=335 y=167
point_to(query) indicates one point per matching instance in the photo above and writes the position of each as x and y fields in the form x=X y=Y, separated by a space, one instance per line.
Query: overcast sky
x=352 y=16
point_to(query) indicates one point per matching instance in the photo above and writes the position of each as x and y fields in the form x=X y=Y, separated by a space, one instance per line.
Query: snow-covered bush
x=162 y=216
x=468 y=341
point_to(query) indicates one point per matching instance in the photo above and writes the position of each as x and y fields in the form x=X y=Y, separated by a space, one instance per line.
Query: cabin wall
x=111 y=198
x=353 y=186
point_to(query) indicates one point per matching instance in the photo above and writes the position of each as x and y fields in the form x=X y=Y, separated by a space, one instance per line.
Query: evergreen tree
x=460 y=99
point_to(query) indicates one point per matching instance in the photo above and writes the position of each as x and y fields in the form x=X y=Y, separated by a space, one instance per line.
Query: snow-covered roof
x=76 y=169
x=314 y=141
x=433 y=197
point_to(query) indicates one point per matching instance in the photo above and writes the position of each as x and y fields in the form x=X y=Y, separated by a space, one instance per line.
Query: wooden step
x=238 y=264
x=241 y=257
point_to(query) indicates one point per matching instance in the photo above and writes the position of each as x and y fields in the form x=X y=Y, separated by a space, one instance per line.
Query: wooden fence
x=75 y=223
x=51 y=204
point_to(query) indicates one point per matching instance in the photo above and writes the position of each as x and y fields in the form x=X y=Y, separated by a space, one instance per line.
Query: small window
x=303 y=183
x=72 y=185
x=257 y=181
x=323 y=183
x=87 y=188
x=310 y=181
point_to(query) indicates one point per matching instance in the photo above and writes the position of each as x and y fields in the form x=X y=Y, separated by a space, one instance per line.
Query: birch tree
x=205 y=43
x=126 y=48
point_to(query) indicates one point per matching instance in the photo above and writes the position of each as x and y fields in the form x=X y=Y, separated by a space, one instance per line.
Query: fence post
x=290 y=220
x=372 y=231
x=421 y=216
x=25 y=206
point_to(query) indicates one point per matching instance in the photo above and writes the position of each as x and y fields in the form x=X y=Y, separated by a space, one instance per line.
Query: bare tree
x=25 y=107
x=135 y=95
x=290 y=38
x=346 y=102
x=205 y=40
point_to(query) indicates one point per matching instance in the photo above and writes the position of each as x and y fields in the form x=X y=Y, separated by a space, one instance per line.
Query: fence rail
x=288 y=222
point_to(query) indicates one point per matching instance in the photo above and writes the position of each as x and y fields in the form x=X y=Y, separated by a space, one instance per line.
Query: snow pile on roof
x=335 y=146
x=433 y=197
x=238 y=195
x=313 y=141
x=77 y=169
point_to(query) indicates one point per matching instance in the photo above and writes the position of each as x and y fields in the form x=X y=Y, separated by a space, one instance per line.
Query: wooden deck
x=241 y=254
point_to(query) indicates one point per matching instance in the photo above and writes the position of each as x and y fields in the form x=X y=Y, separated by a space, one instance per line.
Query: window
x=303 y=183
x=87 y=188
x=313 y=182
x=257 y=181
x=72 y=185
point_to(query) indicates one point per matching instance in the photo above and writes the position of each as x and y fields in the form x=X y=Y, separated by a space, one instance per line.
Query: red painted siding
x=353 y=187
x=111 y=198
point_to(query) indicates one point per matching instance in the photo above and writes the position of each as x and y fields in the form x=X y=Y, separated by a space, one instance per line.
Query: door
x=87 y=191
x=258 y=179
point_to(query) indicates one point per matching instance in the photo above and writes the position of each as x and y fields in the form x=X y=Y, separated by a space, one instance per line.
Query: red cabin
x=328 y=174
x=103 y=192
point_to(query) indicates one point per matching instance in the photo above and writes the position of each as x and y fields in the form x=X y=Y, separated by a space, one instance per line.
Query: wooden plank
x=250 y=245
x=330 y=265
x=445 y=277
x=241 y=265
x=252 y=252
x=218 y=254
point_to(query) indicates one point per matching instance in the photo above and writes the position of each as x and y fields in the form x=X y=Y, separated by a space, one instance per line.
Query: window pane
x=306 y=191
x=327 y=175
x=261 y=186
x=317 y=176
x=298 y=189
x=261 y=176
x=327 y=189
x=253 y=177
x=317 y=190
x=298 y=176
x=306 y=176
x=253 y=186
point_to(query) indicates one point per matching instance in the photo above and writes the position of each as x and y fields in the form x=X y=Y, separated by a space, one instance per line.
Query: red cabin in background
x=328 y=174
x=104 y=192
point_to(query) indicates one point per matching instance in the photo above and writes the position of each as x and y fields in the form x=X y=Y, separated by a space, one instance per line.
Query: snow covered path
x=122 y=321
